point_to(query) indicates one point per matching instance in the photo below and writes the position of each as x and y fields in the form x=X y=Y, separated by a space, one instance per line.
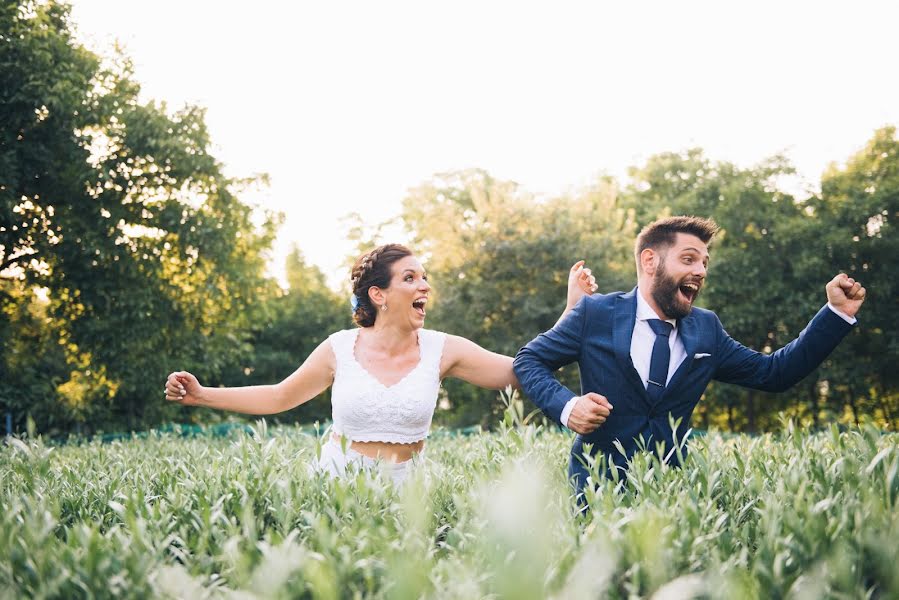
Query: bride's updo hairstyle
x=373 y=269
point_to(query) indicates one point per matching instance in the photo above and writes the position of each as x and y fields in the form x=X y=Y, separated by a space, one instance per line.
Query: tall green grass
x=793 y=515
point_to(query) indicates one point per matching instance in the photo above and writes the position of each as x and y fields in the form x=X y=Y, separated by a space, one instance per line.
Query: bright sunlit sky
x=346 y=105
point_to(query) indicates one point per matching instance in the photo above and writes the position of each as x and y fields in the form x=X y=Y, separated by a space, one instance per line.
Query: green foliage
x=33 y=362
x=487 y=515
x=859 y=206
x=118 y=211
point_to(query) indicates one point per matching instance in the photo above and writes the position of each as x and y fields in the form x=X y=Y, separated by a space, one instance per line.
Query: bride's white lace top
x=366 y=410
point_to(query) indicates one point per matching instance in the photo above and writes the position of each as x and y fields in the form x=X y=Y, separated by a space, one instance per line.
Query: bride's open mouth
x=419 y=306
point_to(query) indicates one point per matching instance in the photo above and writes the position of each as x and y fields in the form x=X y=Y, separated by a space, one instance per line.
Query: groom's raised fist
x=590 y=411
x=845 y=294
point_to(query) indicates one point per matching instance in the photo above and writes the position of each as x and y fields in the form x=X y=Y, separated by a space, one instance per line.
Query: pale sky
x=346 y=105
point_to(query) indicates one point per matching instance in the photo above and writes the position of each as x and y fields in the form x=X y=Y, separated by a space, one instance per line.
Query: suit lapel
x=622 y=333
x=688 y=333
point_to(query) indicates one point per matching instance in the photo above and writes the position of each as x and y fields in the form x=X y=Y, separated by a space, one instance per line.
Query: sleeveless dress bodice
x=366 y=410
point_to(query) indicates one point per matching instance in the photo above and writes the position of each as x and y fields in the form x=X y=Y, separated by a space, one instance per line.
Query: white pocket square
x=699 y=355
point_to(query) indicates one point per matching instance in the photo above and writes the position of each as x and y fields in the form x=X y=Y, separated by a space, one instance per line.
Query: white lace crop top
x=366 y=410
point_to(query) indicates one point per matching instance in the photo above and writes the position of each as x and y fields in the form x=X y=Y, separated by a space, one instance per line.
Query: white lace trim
x=366 y=410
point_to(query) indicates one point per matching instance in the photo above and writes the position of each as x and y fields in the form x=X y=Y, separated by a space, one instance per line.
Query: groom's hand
x=590 y=411
x=845 y=294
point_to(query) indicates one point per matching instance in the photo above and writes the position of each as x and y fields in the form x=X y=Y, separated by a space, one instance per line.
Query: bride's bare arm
x=469 y=362
x=309 y=380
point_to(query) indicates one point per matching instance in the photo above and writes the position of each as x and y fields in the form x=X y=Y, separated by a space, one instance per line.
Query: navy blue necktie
x=661 y=355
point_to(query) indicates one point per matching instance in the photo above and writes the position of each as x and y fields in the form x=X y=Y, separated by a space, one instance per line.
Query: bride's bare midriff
x=388 y=451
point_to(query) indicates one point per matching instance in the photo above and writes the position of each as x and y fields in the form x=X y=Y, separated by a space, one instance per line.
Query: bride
x=385 y=373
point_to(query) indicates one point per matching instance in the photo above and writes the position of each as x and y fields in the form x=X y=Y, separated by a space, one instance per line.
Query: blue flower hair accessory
x=354 y=302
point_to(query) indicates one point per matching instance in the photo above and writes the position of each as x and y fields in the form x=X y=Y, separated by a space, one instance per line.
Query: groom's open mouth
x=689 y=290
x=419 y=306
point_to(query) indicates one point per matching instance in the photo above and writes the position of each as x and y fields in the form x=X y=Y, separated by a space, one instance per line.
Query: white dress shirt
x=644 y=338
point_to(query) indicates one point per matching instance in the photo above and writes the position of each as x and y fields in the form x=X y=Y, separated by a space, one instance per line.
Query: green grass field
x=787 y=516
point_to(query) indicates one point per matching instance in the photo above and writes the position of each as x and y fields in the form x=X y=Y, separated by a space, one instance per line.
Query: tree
x=118 y=210
x=857 y=211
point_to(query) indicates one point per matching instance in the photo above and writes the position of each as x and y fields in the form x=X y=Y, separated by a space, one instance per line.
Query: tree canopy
x=117 y=213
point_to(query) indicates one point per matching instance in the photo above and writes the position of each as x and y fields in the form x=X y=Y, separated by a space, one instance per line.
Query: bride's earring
x=384 y=307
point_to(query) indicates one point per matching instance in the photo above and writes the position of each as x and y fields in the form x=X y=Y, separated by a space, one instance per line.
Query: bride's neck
x=391 y=340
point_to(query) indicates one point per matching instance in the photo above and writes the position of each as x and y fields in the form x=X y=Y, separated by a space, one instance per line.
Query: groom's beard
x=668 y=296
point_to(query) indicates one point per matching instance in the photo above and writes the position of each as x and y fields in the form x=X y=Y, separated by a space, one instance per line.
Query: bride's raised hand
x=581 y=282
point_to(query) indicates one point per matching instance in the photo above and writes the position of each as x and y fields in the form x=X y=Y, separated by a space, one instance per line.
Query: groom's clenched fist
x=590 y=411
x=845 y=294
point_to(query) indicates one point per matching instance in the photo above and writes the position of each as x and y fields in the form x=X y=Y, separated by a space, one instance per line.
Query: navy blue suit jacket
x=597 y=335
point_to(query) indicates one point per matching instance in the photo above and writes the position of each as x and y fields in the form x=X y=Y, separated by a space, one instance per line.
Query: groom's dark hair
x=662 y=233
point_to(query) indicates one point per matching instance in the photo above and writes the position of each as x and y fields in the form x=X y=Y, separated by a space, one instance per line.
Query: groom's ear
x=649 y=261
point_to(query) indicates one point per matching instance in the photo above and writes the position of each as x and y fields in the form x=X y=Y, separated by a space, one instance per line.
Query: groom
x=648 y=353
